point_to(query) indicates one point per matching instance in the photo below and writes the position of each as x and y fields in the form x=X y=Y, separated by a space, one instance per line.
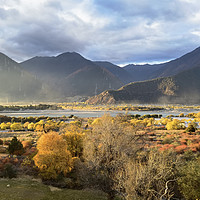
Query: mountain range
x=183 y=88
x=70 y=74
x=176 y=81
x=148 y=72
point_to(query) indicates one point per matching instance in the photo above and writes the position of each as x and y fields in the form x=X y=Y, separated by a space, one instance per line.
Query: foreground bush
x=9 y=171
x=151 y=176
x=189 y=179
x=106 y=150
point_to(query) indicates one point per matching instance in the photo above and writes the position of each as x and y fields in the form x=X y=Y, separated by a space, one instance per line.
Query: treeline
x=29 y=107
x=111 y=154
x=125 y=107
x=42 y=123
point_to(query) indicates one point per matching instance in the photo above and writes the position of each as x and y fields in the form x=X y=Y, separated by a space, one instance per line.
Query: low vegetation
x=125 y=157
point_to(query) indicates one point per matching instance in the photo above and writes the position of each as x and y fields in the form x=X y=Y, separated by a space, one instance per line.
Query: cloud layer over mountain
x=119 y=31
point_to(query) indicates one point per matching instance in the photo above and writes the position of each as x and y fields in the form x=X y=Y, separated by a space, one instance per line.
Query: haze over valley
x=56 y=78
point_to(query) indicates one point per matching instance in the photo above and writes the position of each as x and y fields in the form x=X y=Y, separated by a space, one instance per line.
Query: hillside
x=70 y=74
x=148 y=72
x=16 y=84
x=182 y=88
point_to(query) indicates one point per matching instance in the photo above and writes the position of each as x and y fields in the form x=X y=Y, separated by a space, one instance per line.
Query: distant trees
x=53 y=157
x=191 y=128
x=16 y=126
x=175 y=124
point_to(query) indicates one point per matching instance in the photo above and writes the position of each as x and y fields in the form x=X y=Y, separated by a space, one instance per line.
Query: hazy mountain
x=181 y=88
x=16 y=84
x=70 y=74
x=119 y=72
x=142 y=72
x=147 y=72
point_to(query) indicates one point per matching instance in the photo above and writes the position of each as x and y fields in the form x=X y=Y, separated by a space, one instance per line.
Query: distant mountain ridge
x=148 y=72
x=142 y=72
x=70 y=74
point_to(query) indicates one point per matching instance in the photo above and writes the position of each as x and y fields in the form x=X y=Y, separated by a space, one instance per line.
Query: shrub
x=106 y=150
x=151 y=178
x=189 y=179
x=181 y=148
x=190 y=128
x=15 y=147
x=9 y=171
x=26 y=144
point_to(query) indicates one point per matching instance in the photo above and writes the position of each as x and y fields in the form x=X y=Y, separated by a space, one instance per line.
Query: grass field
x=27 y=189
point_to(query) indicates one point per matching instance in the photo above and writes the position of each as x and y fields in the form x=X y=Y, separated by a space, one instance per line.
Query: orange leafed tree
x=53 y=157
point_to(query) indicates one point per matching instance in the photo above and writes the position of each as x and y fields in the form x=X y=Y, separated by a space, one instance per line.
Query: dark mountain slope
x=142 y=72
x=70 y=74
x=181 y=88
x=119 y=72
x=16 y=84
x=148 y=72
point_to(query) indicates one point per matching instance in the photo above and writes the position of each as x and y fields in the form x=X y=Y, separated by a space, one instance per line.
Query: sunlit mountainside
x=182 y=88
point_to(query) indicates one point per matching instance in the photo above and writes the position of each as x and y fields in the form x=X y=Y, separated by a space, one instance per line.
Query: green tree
x=190 y=128
x=15 y=147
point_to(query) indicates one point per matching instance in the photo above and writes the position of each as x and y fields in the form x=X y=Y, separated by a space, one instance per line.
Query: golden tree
x=53 y=157
x=16 y=126
x=73 y=135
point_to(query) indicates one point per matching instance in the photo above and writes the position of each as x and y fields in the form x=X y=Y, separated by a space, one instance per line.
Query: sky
x=118 y=31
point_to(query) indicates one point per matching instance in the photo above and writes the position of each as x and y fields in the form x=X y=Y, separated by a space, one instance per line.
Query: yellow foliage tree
x=53 y=157
x=73 y=135
x=175 y=124
x=31 y=126
x=16 y=126
x=26 y=125
x=3 y=126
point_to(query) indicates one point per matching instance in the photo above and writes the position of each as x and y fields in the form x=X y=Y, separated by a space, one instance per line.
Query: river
x=90 y=113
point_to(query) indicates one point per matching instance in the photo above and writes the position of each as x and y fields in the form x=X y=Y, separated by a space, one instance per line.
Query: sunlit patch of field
x=27 y=189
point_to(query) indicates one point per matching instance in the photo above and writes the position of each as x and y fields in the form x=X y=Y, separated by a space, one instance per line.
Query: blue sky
x=119 y=31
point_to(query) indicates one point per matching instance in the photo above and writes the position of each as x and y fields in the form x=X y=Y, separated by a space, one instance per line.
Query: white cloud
x=119 y=31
